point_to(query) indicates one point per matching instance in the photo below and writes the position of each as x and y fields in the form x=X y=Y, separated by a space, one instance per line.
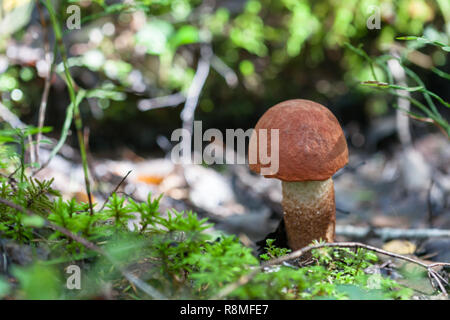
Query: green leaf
x=33 y=130
x=38 y=282
x=424 y=40
x=185 y=35
x=407 y=38
x=154 y=36
x=45 y=141
x=33 y=221
x=107 y=94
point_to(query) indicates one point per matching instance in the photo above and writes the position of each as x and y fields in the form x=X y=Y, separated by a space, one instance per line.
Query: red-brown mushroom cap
x=312 y=145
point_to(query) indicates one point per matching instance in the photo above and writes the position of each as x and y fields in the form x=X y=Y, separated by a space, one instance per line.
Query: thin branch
x=191 y=98
x=65 y=130
x=402 y=118
x=11 y=118
x=171 y=100
x=32 y=149
x=439 y=264
x=390 y=233
x=298 y=253
x=187 y=115
x=430 y=204
x=225 y=71
x=428 y=120
x=115 y=190
x=48 y=59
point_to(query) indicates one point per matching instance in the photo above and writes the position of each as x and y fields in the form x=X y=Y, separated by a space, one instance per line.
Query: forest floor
x=379 y=202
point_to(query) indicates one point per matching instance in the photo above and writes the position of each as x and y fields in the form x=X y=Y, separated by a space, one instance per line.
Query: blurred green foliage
x=427 y=112
x=278 y=49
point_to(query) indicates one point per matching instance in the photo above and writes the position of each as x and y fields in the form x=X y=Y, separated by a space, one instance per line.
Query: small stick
x=172 y=100
x=298 y=253
x=115 y=190
x=44 y=99
x=391 y=233
x=430 y=205
x=402 y=119
x=225 y=71
x=195 y=89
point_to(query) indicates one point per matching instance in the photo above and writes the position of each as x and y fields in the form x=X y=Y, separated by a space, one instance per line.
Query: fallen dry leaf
x=150 y=179
x=400 y=247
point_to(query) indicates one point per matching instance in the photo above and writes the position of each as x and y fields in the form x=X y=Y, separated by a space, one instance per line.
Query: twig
x=390 y=233
x=146 y=288
x=433 y=275
x=115 y=190
x=298 y=253
x=191 y=99
x=48 y=59
x=32 y=149
x=65 y=130
x=429 y=204
x=187 y=115
x=349 y=167
x=438 y=264
x=171 y=100
x=404 y=105
x=429 y=120
x=11 y=118
x=225 y=71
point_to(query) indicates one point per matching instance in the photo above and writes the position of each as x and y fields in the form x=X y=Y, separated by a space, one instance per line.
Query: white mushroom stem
x=309 y=212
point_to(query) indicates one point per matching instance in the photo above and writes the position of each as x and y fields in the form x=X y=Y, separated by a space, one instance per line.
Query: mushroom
x=312 y=147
